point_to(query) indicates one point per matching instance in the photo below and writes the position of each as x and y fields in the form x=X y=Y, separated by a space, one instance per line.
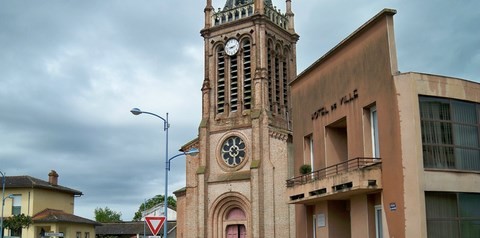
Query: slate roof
x=58 y=216
x=31 y=182
x=127 y=228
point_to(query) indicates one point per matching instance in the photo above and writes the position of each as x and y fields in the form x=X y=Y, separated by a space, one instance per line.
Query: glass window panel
x=441 y=205
x=436 y=132
x=464 y=112
x=16 y=210
x=466 y=135
x=17 y=204
x=434 y=108
x=374 y=126
x=469 y=205
x=444 y=221
x=16 y=233
x=467 y=159
x=442 y=229
x=438 y=157
x=470 y=228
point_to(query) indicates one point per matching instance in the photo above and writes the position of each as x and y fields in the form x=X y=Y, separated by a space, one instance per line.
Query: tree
x=17 y=222
x=107 y=215
x=152 y=202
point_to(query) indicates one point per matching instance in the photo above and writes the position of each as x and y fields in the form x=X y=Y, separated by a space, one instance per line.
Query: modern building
x=236 y=187
x=393 y=154
x=50 y=205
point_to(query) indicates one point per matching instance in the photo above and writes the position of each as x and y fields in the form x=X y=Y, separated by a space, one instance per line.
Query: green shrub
x=305 y=169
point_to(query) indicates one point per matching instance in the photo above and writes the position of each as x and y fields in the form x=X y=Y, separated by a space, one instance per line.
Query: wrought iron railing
x=349 y=165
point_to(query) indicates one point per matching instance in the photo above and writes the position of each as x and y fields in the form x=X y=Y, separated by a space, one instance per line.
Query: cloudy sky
x=70 y=71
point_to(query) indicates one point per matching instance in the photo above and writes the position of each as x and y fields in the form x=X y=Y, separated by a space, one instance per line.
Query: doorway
x=236 y=231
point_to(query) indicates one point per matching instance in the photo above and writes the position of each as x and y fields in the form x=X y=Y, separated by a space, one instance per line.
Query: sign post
x=155 y=223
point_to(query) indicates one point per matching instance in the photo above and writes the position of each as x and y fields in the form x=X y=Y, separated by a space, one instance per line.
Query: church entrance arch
x=236 y=224
x=230 y=217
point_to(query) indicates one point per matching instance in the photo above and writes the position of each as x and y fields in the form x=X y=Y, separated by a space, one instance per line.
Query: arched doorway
x=230 y=217
x=235 y=221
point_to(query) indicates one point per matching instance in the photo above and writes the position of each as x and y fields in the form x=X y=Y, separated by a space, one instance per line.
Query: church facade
x=235 y=186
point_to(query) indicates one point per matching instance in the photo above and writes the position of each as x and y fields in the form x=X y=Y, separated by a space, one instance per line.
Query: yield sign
x=155 y=223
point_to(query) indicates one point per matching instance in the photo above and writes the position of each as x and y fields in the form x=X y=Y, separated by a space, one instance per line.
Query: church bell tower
x=236 y=185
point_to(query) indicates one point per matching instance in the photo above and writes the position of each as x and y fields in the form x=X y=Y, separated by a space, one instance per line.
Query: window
x=233 y=83
x=374 y=126
x=277 y=74
x=87 y=234
x=378 y=222
x=16 y=233
x=234 y=79
x=17 y=204
x=285 y=82
x=450 y=134
x=277 y=82
x=308 y=150
x=270 y=74
x=247 y=76
x=220 y=81
x=452 y=215
x=79 y=234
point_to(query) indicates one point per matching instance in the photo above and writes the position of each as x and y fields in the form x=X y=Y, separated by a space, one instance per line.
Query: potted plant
x=305 y=169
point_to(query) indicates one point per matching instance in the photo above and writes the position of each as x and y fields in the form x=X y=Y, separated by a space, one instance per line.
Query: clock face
x=233 y=151
x=232 y=46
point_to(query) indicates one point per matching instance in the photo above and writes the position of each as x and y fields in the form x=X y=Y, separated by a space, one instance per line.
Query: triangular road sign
x=155 y=223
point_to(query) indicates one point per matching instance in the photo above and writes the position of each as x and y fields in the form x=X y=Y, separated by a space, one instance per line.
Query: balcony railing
x=242 y=11
x=349 y=165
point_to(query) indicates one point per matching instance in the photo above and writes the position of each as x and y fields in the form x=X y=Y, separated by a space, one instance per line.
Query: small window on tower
x=247 y=76
x=233 y=83
x=220 y=80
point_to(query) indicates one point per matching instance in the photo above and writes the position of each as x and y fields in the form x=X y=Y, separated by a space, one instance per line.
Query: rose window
x=233 y=151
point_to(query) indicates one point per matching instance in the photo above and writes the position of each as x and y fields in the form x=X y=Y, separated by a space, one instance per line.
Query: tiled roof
x=31 y=182
x=58 y=216
x=127 y=228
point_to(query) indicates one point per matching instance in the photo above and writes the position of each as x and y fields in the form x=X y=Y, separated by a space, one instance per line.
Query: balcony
x=242 y=11
x=339 y=181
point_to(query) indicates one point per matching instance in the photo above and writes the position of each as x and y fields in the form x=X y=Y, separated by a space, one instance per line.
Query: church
x=236 y=187
x=350 y=147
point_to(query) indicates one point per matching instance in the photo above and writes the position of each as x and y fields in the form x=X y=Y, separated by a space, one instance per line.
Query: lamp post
x=136 y=111
x=3 y=203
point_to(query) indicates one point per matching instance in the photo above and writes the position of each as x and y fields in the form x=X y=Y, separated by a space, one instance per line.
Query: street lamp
x=136 y=111
x=3 y=202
